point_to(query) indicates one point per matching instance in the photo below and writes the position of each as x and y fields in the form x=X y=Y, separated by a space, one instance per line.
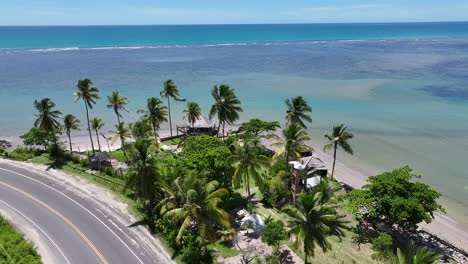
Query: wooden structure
x=203 y=126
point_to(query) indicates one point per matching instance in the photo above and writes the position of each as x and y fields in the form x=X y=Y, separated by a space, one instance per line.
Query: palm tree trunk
x=305 y=253
x=69 y=141
x=247 y=183
x=99 y=143
x=170 y=119
x=89 y=128
x=155 y=131
x=219 y=127
x=223 y=128
x=334 y=160
x=123 y=148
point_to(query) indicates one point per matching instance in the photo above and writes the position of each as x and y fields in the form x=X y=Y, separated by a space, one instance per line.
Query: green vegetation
x=190 y=197
x=338 y=138
x=392 y=198
x=14 y=248
x=226 y=106
x=169 y=91
x=274 y=233
x=70 y=122
x=89 y=94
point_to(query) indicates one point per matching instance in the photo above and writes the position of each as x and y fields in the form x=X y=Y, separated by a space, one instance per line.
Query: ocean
x=401 y=88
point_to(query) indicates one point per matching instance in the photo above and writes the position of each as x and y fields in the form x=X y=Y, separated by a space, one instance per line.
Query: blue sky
x=129 y=12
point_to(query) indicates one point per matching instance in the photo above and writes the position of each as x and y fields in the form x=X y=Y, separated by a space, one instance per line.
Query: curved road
x=70 y=223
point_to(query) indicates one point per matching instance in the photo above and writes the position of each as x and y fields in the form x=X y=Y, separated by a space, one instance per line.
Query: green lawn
x=118 y=155
x=224 y=250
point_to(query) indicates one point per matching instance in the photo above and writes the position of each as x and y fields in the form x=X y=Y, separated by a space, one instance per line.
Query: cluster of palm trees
x=226 y=108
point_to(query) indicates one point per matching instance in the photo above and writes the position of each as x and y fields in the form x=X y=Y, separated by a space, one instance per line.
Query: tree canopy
x=257 y=127
x=393 y=198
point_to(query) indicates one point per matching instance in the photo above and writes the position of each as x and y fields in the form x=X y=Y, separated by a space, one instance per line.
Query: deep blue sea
x=402 y=88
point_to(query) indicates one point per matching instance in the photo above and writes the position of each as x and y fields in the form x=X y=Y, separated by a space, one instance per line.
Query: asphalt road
x=72 y=227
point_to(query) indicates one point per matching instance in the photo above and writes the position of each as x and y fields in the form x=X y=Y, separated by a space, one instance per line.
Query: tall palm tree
x=122 y=132
x=169 y=91
x=117 y=102
x=293 y=142
x=88 y=94
x=193 y=112
x=70 y=122
x=141 y=129
x=410 y=254
x=199 y=208
x=97 y=124
x=155 y=112
x=248 y=163
x=338 y=138
x=143 y=172
x=312 y=222
x=47 y=116
x=226 y=105
x=297 y=111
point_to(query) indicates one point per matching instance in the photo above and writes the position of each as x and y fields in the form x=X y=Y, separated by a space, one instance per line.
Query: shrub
x=20 y=154
x=234 y=200
x=109 y=171
x=84 y=163
x=274 y=233
x=382 y=246
x=17 y=248
x=274 y=190
x=196 y=253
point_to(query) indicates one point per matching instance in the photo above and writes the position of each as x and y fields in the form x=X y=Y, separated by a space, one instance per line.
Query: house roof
x=102 y=156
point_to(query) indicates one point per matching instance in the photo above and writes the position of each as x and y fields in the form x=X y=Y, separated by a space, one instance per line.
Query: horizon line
x=237 y=24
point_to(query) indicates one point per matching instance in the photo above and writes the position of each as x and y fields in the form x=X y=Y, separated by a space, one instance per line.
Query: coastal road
x=72 y=222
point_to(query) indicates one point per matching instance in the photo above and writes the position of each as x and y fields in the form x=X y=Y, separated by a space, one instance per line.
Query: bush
x=56 y=152
x=196 y=253
x=20 y=154
x=17 y=248
x=382 y=246
x=84 y=163
x=109 y=171
x=274 y=233
x=274 y=191
x=234 y=200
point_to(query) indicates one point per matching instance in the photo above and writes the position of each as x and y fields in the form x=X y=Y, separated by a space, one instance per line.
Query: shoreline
x=442 y=226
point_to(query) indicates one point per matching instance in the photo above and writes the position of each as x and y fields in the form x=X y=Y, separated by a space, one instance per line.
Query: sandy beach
x=442 y=226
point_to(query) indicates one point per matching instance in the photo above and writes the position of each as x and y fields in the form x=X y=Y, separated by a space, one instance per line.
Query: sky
x=144 y=12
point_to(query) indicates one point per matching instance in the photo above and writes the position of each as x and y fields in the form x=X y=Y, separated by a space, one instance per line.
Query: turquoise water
x=126 y=36
x=401 y=88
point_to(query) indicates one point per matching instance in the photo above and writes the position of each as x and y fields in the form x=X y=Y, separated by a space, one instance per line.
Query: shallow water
x=405 y=100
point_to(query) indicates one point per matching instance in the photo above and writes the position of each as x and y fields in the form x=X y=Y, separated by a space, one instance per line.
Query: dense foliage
x=392 y=198
x=274 y=233
x=14 y=248
x=206 y=155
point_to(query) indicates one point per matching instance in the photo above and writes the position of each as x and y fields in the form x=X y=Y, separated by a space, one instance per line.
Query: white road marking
x=84 y=208
x=39 y=228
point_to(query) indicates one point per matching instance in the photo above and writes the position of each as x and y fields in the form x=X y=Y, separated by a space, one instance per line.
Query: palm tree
x=193 y=112
x=199 y=208
x=297 y=111
x=169 y=91
x=294 y=138
x=312 y=222
x=248 y=164
x=117 y=102
x=97 y=124
x=410 y=254
x=89 y=94
x=141 y=129
x=338 y=138
x=143 y=173
x=47 y=116
x=70 y=122
x=155 y=112
x=122 y=132
x=226 y=105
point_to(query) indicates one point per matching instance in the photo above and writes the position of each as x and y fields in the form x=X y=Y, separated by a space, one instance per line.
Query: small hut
x=100 y=160
x=202 y=126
